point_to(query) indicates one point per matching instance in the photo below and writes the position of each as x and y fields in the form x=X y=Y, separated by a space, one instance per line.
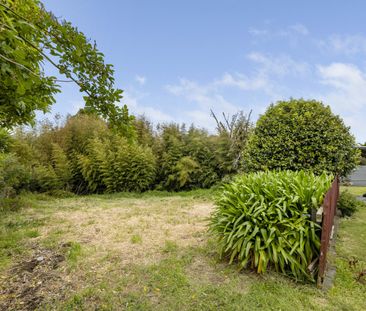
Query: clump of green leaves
x=263 y=220
x=348 y=204
x=186 y=159
x=233 y=136
x=115 y=165
x=301 y=135
x=128 y=167
x=13 y=175
x=30 y=36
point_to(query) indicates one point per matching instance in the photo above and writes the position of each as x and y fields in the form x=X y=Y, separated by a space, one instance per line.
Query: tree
x=5 y=141
x=144 y=131
x=301 y=135
x=233 y=134
x=29 y=36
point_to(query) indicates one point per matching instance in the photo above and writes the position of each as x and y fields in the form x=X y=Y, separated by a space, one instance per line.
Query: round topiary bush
x=264 y=220
x=301 y=135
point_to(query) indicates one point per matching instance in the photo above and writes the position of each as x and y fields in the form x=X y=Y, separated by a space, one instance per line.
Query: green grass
x=349 y=294
x=153 y=252
x=73 y=253
x=170 y=247
x=16 y=229
x=136 y=239
x=355 y=190
x=195 y=194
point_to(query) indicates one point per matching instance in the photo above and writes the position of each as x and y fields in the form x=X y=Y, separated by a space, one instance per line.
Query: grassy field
x=151 y=252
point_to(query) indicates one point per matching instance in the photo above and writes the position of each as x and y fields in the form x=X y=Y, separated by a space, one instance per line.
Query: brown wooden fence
x=329 y=211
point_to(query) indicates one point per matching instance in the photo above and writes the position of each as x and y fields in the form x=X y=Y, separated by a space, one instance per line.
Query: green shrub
x=93 y=165
x=233 y=135
x=44 y=179
x=129 y=167
x=363 y=161
x=301 y=135
x=13 y=204
x=182 y=173
x=60 y=194
x=169 y=151
x=13 y=175
x=116 y=165
x=5 y=140
x=263 y=220
x=77 y=133
x=186 y=159
x=348 y=204
x=201 y=148
x=61 y=166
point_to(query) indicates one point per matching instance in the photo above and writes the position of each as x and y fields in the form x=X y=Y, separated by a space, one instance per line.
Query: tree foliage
x=84 y=155
x=233 y=134
x=29 y=36
x=301 y=135
x=186 y=159
x=5 y=140
x=129 y=167
x=14 y=175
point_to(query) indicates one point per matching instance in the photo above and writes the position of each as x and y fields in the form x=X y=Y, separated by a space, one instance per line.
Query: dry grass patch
x=135 y=230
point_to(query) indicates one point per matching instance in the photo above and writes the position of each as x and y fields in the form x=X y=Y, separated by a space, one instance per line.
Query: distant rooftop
x=361 y=147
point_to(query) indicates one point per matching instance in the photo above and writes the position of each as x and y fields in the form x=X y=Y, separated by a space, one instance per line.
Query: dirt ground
x=30 y=282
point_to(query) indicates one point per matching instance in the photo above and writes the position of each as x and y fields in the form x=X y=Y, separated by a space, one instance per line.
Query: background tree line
x=83 y=154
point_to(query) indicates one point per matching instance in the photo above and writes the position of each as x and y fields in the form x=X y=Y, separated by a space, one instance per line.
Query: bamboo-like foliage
x=61 y=165
x=93 y=164
x=263 y=220
x=129 y=167
x=116 y=165
x=44 y=178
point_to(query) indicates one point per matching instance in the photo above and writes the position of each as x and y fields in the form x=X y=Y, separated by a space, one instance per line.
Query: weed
x=73 y=254
x=136 y=239
x=170 y=247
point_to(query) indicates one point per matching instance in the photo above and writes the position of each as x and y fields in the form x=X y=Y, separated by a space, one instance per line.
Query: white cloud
x=263 y=81
x=348 y=84
x=279 y=65
x=348 y=44
x=140 y=79
x=271 y=32
x=340 y=85
x=136 y=108
x=257 y=32
x=346 y=94
x=201 y=118
x=205 y=98
x=357 y=123
x=300 y=28
x=243 y=82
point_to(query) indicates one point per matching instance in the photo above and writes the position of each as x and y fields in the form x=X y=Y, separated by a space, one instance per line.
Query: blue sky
x=176 y=60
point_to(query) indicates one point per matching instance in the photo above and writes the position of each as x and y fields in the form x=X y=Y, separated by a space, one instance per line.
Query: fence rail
x=329 y=211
